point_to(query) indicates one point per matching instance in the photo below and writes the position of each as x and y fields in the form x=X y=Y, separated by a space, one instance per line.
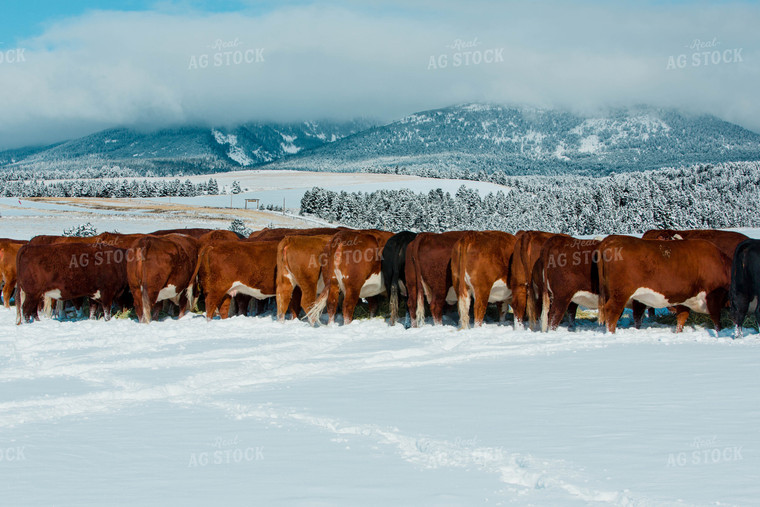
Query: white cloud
x=337 y=60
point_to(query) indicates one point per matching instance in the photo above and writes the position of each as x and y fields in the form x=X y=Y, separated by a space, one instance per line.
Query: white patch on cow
x=451 y=296
x=402 y=288
x=168 y=292
x=752 y=305
x=651 y=298
x=677 y=237
x=53 y=294
x=427 y=291
x=96 y=295
x=241 y=288
x=697 y=303
x=586 y=299
x=320 y=284
x=468 y=283
x=373 y=286
x=654 y=299
x=290 y=278
x=339 y=277
x=499 y=292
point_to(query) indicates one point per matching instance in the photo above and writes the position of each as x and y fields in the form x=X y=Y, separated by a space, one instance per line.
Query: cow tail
x=316 y=309
x=545 y=301
x=602 y=281
x=197 y=275
x=142 y=272
x=393 y=300
x=20 y=298
x=459 y=265
x=420 y=320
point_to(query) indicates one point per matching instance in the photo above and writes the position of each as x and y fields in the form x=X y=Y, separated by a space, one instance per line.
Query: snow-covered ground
x=251 y=411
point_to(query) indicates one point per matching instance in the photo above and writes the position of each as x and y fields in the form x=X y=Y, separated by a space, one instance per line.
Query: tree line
x=700 y=196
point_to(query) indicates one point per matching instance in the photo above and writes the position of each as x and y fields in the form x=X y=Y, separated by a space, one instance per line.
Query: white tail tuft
x=318 y=307
x=146 y=316
x=420 y=309
x=393 y=303
x=464 y=310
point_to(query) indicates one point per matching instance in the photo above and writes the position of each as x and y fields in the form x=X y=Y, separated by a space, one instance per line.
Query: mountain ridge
x=471 y=137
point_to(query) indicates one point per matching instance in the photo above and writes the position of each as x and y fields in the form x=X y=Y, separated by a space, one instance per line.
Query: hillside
x=534 y=141
x=192 y=149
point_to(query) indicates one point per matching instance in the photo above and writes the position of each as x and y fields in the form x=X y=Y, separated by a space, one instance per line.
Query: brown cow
x=564 y=277
x=195 y=233
x=691 y=273
x=353 y=268
x=526 y=252
x=162 y=268
x=726 y=241
x=283 y=232
x=228 y=268
x=428 y=275
x=69 y=271
x=300 y=260
x=8 y=250
x=480 y=268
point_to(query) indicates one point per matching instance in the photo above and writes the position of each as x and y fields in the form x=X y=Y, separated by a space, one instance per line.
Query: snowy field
x=248 y=411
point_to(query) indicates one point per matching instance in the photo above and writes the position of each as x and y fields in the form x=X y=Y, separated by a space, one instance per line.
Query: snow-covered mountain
x=466 y=138
x=520 y=140
x=192 y=149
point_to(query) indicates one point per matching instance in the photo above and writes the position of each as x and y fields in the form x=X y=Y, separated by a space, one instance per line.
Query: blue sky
x=74 y=67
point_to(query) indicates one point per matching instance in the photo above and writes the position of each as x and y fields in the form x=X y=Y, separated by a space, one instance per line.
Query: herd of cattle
x=541 y=275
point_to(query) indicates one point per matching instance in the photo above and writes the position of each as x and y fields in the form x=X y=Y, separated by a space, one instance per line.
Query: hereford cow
x=726 y=241
x=162 y=268
x=565 y=277
x=393 y=268
x=354 y=269
x=283 y=232
x=480 y=269
x=300 y=260
x=745 y=283
x=8 y=250
x=195 y=233
x=526 y=252
x=69 y=271
x=228 y=268
x=428 y=275
x=692 y=273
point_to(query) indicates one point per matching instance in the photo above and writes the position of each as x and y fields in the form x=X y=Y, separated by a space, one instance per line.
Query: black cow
x=393 y=266
x=745 y=283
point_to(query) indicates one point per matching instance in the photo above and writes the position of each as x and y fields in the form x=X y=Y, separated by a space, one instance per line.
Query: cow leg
x=7 y=293
x=613 y=310
x=374 y=304
x=479 y=306
x=295 y=303
x=223 y=302
x=350 y=300
x=93 y=310
x=715 y=302
x=519 y=303
x=570 y=309
x=638 y=313
x=333 y=297
x=213 y=302
x=503 y=309
x=283 y=296
x=436 y=310
x=29 y=307
x=682 y=314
